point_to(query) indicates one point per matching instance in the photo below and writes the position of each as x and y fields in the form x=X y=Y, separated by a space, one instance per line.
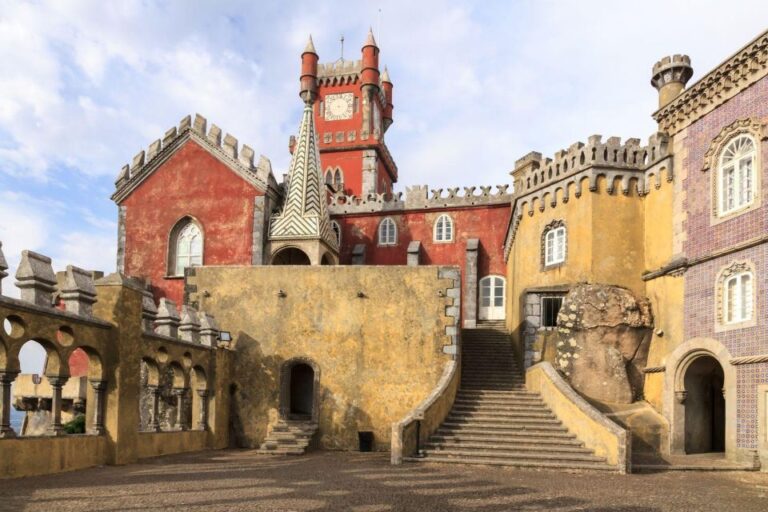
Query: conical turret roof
x=304 y=214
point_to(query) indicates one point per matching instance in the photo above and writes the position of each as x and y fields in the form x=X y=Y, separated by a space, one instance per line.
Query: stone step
x=500 y=428
x=495 y=393
x=510 y=433
x=520 y=463
x=491 y=415
x=491 y=408
x=520 y=439
x=508 y=447
x=501 y=422
x=509 y=454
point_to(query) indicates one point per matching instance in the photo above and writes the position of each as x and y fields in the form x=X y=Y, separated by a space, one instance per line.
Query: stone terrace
x=243 y=480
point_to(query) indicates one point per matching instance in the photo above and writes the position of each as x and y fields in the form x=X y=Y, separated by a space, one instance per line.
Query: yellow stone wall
x=379 y=356
x=613 y=238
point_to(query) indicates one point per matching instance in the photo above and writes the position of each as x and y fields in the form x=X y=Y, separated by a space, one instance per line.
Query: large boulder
x=604 y=333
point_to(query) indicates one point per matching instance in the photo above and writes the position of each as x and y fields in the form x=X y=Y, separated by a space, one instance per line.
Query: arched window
x=736 y=175
x=387 y=232
x=338 y=180
x=336 y=231
x=329 y=177
x=443 y=231
x=186 y=246
x=554 y=243
x=738 y=297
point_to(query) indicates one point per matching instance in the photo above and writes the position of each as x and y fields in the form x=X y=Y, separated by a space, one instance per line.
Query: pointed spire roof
x=370 y=41
x=304 y=215
x=310 y=48
x=385 y=75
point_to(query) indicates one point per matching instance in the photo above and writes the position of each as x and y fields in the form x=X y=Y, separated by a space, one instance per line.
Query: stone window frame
x=450 y=226
x=173 y=235
x=555 y=224
x=712 y=160
x=384 y=241
x=726 y=272
x=336 y=228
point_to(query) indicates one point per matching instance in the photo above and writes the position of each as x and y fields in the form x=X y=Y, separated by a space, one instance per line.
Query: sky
x=85 y=85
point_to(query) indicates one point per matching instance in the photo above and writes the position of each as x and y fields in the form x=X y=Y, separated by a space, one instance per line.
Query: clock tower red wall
x=352 y=114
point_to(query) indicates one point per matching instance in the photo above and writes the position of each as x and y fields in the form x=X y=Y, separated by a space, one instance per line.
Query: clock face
x=339 y=106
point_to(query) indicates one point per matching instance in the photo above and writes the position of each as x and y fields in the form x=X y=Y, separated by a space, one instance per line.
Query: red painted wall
x=191 y=182
x=486 y=223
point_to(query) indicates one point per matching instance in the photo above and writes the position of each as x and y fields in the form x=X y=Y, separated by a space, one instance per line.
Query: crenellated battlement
x=227 y=148
x=420 y=197
x=532 y=172
x=341 y=72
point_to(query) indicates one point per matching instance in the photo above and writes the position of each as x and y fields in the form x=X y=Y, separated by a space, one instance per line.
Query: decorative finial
x=370 y=41
x=342 y=48
x=385 y=75
x=310 y=46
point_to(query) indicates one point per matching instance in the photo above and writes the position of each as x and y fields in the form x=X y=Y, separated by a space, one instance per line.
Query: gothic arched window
x=338 y=180
x=736 y=175
x=336 y=231
x=186 y=246
x=387 y=232
x=443 y=231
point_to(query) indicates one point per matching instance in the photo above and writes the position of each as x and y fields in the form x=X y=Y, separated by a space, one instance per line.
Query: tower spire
x=304 y=219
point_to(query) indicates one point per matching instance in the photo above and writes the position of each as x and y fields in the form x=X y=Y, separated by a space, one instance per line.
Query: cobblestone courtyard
x=243 y=480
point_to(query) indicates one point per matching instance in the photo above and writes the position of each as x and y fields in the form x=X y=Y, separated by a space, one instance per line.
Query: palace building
x=601 y=308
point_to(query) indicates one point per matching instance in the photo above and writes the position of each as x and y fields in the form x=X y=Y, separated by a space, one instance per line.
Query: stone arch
x=291 y=256
x=288 y=391
x=54 y=366
x=327 y=259
x=200 y=397
x=677 y=365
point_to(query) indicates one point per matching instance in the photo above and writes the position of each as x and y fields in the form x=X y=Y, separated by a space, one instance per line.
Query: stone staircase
x=289 y=437
x=496 y=421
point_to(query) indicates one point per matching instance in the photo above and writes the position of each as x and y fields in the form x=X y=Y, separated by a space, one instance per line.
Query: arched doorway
x=704 y=406
x=326 y=259
x=290 y=256
x=302 y=392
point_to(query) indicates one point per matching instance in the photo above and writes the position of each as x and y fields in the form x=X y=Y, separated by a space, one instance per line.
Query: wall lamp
x=281 y=294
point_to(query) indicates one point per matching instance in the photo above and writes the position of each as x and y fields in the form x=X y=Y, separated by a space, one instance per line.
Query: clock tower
x=352 y=113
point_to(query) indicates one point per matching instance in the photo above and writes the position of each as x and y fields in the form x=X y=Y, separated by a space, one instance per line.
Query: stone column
x=202 y=420
x=55 y=428
x=470 y=284
x=98 y=386
x=179 y=394
x=154 y=422
x=3 y=268
x=6 y=378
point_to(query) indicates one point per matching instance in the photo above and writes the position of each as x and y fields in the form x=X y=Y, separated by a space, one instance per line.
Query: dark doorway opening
x=366 y=441
x=704 y=406
x=291 y=256
x=302 y=392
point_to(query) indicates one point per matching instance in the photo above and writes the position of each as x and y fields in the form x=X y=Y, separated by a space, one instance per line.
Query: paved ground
x=243 y=480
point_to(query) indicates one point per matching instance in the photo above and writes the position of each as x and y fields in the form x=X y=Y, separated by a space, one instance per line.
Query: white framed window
x=188 y=247
x=387 y=232
x=738 y=299
x=554 y=245
x=336 y=231
x=443 y=231
x=736 y=175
